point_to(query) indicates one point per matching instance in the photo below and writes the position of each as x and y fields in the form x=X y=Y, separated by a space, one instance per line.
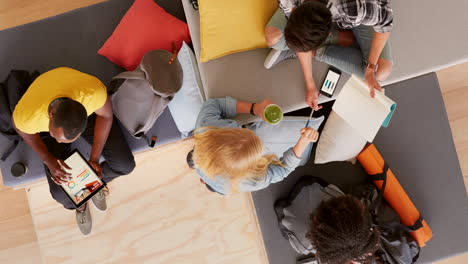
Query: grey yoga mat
x=418 y=146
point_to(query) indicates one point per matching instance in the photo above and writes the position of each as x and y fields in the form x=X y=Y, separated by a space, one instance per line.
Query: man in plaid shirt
x=351 y=35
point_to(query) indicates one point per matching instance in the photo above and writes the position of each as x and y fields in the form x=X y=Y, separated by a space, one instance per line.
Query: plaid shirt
x=352 y=13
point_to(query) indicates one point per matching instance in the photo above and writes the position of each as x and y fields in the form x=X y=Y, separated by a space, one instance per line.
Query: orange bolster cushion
x=394 y=194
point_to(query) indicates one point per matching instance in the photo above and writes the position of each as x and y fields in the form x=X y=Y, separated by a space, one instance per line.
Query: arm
x=312 y=94
x=290 y=160
x=59 y=175
x=217 y=112
x=384 y=14
x=378 y=43
x=102 y=127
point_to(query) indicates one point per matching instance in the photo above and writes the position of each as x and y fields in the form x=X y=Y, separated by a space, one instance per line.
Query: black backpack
x=11 y=91
x=397 y=246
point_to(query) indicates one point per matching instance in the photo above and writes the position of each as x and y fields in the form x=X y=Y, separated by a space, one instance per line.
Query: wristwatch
x=252 y=109
x=371 y=66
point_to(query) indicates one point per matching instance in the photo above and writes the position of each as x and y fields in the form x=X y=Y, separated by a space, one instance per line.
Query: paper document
x=360 y=111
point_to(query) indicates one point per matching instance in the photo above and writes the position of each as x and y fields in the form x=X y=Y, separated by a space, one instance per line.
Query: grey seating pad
x=427 y=36
x=421 y=43
x=419 y=148
x=72 y=39
x=242 y=75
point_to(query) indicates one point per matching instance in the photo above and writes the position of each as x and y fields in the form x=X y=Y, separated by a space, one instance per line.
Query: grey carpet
x=72 y=40
x=419 y=148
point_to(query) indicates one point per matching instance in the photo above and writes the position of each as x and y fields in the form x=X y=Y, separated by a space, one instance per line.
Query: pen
x=308 y=120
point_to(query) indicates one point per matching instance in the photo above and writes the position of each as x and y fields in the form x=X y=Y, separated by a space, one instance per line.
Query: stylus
x=308 y=120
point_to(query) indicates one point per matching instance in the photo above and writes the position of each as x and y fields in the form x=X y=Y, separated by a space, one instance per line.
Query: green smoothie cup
x=273 y=114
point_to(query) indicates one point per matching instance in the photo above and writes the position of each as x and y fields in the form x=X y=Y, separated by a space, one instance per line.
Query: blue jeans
x=352 y=60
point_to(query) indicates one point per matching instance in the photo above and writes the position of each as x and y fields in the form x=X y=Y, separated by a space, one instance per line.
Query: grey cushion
x=421 y=43
x=71 y=39
x=428 y=35
x=419 y=148
x=242 y=75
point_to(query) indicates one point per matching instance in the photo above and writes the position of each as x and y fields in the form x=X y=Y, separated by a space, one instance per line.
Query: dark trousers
x=118 y=157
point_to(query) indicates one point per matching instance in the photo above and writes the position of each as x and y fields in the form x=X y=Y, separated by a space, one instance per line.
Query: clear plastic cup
x=273 y=114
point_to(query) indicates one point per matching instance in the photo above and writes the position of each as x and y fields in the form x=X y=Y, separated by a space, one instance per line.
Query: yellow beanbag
x=230 y=26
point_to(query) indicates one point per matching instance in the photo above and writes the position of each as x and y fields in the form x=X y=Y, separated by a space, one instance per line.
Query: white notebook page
x=359 y=110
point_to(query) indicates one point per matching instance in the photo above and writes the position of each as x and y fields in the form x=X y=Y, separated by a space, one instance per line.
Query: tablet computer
x=84 y=182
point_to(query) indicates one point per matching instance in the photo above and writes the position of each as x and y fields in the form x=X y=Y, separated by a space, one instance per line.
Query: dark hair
x=308 y=26
x=71 y=116
x=341 y=231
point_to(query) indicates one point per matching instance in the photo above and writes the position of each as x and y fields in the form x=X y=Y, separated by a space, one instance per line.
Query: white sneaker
x=99 y=200
x=83 y=219
x=277 y=56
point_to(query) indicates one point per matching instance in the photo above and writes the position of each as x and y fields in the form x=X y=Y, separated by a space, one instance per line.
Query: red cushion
x=145 y=26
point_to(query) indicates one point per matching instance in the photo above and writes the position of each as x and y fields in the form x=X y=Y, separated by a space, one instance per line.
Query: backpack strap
x=418 y=224
x=393 y=225
x=10 y=150
x=379 y=177
x=376 y=203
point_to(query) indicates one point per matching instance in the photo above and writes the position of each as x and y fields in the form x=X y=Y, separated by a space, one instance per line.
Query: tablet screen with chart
x=84 y=182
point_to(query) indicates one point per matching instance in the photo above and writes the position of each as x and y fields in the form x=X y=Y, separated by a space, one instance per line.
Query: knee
x=384 y=69
x=128 y=167
x=62 y=198
x=345 y=38
x=272 y=35
x=123 y=167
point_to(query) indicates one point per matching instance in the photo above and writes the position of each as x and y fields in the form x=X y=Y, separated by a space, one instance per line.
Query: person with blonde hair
x=229 y=158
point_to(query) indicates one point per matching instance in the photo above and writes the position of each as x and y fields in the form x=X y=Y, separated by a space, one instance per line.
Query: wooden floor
x=18 y=242
x=162 y=215
x=454 y=85
x=18 y=12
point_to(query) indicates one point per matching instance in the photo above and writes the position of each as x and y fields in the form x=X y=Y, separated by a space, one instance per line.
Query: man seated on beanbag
x=60 y=106
x=307 y=28
x=229 y=158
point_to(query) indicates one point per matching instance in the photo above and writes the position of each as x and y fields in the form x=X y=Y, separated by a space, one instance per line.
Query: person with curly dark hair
x=341 y=231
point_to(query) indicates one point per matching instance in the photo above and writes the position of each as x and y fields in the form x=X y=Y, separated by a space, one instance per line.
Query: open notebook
x=360 y=111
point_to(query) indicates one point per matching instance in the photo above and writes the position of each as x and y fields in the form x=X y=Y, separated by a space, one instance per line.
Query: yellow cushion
x=230 y=26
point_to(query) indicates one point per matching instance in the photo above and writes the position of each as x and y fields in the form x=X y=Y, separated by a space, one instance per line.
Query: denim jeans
x=352 y=60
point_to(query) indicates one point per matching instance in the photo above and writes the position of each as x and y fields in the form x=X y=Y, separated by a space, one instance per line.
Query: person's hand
x=96 y=166
x=371 y=81
x=260 y=107
x=309 y=134
x=57 y=171
x=312 y=95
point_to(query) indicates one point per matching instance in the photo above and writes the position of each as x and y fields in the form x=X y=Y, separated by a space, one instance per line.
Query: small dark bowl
x=18 y=169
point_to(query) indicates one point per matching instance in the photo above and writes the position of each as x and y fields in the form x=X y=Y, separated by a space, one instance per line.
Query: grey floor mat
x=419 y=148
